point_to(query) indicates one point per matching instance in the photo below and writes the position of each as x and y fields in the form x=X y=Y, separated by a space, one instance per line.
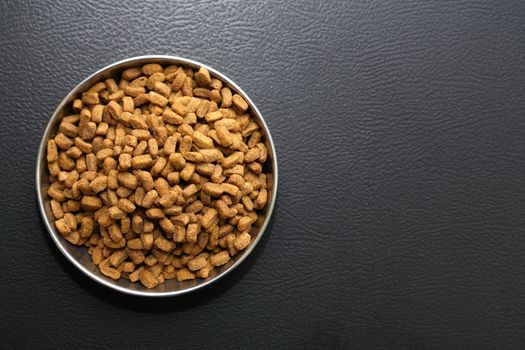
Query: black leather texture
x=400 y=133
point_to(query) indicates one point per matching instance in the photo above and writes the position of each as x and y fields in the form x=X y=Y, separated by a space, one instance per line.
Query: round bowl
x=79 y=255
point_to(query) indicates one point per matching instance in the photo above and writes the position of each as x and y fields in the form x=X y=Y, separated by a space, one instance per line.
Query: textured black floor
x=400 y=131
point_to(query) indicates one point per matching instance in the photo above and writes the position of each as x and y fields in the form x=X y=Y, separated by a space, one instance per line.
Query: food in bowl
x=161 y=174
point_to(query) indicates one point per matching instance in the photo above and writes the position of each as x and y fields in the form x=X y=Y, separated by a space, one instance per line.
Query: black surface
x=400 y=130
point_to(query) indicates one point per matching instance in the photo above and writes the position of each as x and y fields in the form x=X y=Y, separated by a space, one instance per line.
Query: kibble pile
x=159 y=174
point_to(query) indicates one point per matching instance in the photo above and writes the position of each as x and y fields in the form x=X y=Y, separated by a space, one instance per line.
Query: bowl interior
x=79 y=255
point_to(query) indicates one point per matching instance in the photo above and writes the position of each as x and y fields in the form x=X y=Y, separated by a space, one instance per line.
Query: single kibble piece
x=220 y=259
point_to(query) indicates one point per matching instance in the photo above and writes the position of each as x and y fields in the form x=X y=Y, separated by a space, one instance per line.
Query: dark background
x=400 y=131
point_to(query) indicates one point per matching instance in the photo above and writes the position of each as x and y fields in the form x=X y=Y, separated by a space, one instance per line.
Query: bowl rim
x=40 y=165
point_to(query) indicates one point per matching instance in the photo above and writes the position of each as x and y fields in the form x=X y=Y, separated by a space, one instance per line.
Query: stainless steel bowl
x=79 y=255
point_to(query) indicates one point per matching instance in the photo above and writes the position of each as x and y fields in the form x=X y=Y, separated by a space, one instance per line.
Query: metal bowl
x=79 y=255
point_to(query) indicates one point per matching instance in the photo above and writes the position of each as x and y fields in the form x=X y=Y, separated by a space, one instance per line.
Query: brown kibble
x=213 y=189
x=220 y=259
x=134 y=276
x=262 y=198
x=137 y=122
x=187 y=87
x=141 y=162
x=157 y=77
x=201 y=92
x=135 y=243
x=99 y=184
x=226 y=96
x=186 y=130
x=190 y=190
x=153 y=147
x=87 y=226
x=146 y=180
x=180 y=234
x=205 y=169
x=178 y=82
x=230 y=189
x=158 y=166
x=131 y=73
x=90 y=98
x=167 y=200
x=202 y=140
x=149 y=199
x=161 y=174
x=202 y=109
x=162 y=186
x=114 y=109
x=242 y=241
x=182 y=219
x=97 y=255
x=185 y=274
x=224 y=210
x=211 y=155
x=62 y=141
x=239 y=103
x=104 y=153
x=68 y=129
x=164 y=244
x=88 y=132
x=187 y=171
x=127 y=180
x=118 y=257
x=116 y=213
x=77 y=105
x=138 y=92
x=151 y=68
x=90 y=203
x=107 y=270
x=155 y=213
x=208 y=218
x=177 y=161
x=197 y=263
x=169 y=145
x=157 y=99
x=116 y=96
x=167 y=226
x=192 y=232
x=215 y=96
x=136 y=256
x=215 y=84
x=171 y=117
x=52 y=151
x=244 y=223
x=228 y=123
x=185 y=144
x=147 y=240
x=194 y=157
x=202 y=77
x=124 y=161
x=127 y=266
x=140 y=148
x=252 y=155
x=195 y=206
x=232 y=159
x=62 y=227
x=162 y=89
x=56 y=208
x=212 y=117
x=126 y=205
x=147 y=279
x=151 y=260
x=224 y=135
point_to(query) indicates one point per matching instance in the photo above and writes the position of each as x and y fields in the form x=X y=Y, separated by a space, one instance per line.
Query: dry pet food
x=160 y=175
